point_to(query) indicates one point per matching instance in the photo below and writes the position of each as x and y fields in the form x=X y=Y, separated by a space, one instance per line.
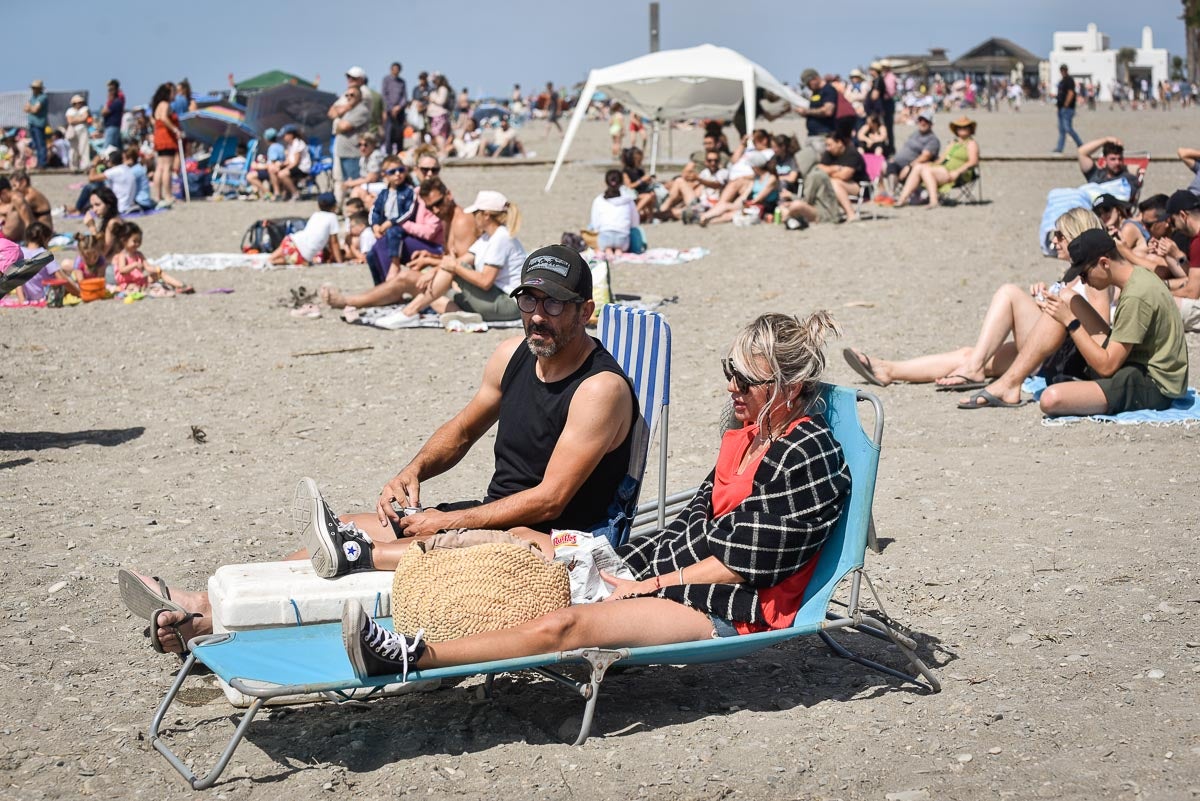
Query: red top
x=164 y=137
x=778 y=604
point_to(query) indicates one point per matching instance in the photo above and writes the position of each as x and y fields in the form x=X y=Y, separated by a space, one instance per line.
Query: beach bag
x=574 y=241
x=637 y=240
x=454 y=592
x=264 y=236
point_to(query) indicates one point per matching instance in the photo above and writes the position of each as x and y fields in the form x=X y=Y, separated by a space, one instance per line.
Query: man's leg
x=841 y=191
x=1046 y=336
x=385 y=294
x=1062 y=132
x=818 y=193
x=1074 y=398
x=1070 y=115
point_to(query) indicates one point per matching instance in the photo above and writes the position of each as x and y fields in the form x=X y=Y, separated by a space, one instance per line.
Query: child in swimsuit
x=132 y=269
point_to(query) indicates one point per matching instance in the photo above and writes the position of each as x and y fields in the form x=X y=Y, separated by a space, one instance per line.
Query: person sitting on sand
x=614 y=215
x=1114 y=215
x=759 y=196
x=959 y=163
x=736 y=560
x=35 y=205
x=359 y=238
x=306 y=245
x=829 y=186
x=564 y=413
x=260 y=176
x=132 y=271
x=394 y=206
x=398 y=284
x=103 y=220
x=1014 y=311
x=505 y=143
x=481 y=282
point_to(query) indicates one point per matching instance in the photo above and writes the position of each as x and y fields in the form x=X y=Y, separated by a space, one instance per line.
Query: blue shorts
x=722 y=628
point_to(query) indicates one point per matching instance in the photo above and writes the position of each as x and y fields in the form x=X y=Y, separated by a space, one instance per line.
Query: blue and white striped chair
x=640 y=341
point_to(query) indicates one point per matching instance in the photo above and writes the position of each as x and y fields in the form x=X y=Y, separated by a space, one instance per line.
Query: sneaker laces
x=392 y=646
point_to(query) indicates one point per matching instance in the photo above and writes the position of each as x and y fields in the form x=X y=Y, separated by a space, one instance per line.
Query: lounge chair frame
x=301 y=656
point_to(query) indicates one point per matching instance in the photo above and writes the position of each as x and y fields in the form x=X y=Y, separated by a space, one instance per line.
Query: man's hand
x=425 y=523
x=1165 y=247
x=378 y=229
x=1059 y=306
x=404 y=489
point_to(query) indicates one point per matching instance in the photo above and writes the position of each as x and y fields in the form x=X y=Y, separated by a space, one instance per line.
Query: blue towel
x=1184 y=411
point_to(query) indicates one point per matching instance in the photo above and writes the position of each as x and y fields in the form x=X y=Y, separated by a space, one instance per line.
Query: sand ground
x=1051 y=570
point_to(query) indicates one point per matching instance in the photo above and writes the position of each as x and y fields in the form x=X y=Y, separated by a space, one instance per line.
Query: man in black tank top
x=565 y=414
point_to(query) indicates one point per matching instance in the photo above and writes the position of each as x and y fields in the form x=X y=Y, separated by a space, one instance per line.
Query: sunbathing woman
x=763 y=515
x=961 y=159
x=1013 y=311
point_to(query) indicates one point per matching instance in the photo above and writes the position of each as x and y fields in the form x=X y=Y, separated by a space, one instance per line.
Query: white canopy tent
x=703 y=81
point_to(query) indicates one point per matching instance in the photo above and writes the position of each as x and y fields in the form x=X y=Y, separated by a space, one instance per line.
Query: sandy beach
x=1052 y=570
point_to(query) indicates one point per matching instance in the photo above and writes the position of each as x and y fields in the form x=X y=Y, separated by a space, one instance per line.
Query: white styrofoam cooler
x=261 y=595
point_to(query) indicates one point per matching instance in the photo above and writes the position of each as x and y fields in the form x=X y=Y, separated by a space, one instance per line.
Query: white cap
x=487 y=200
x=758 y=158
x=356 y=72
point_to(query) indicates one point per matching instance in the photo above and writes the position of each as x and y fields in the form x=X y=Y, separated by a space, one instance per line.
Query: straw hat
x=877 y=66
x=856 y=73
x=37 y=84
x=962 y=122
x=457 y=592
x=76 y=99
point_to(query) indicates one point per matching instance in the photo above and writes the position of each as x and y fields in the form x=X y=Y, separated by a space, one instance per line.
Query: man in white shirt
x=304 y=246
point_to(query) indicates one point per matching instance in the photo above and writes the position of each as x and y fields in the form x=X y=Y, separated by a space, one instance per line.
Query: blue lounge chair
x=267 y=663
x=228 y=180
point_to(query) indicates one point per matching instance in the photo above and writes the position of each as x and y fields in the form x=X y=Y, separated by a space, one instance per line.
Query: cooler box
x=273 y=594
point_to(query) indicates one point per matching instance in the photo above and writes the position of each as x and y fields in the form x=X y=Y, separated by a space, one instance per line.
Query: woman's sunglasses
x=742 y=382
x=430 y=170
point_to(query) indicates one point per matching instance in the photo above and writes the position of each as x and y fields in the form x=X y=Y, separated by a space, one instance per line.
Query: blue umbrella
x=289 y=104
x=211 y=124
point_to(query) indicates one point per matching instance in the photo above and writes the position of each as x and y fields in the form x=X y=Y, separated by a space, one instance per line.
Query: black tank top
x=533 y=414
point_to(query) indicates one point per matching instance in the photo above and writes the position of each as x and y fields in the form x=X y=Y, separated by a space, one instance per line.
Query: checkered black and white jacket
x=795 y=501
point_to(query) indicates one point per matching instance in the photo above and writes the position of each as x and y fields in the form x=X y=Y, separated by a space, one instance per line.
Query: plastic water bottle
x=777 y=218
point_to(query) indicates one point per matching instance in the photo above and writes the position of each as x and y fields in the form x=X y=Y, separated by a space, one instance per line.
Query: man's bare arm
x=447 y=446
x=598 y=421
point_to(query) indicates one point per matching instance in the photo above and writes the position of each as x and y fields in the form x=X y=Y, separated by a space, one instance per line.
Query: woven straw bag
x=455 y=592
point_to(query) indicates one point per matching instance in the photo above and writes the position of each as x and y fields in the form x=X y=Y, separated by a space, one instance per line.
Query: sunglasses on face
x=430 y=170
x=395 y=171
x=742 y=383
x=437 y=204
x=552 y=307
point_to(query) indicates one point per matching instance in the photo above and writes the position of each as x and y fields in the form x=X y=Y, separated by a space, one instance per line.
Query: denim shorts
x=722 y=627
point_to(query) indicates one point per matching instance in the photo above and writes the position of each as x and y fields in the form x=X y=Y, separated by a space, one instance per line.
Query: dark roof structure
x=997 y=56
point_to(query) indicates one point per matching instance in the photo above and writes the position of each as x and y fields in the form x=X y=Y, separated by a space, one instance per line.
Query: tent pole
x=654 y=150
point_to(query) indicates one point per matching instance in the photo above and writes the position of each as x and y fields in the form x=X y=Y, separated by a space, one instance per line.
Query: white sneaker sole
x=307 y=517
x=352 y=624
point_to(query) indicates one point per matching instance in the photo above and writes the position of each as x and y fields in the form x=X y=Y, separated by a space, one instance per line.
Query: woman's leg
x=611 y=624
x=919 y=370
x=439 y=287
x=933 y=176
x=1012 y=311
x=162 y=169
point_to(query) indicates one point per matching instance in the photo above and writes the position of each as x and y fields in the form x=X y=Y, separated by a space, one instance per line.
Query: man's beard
x=556 y=340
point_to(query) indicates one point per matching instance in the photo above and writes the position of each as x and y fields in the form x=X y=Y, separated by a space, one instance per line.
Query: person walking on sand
x=1066 y=110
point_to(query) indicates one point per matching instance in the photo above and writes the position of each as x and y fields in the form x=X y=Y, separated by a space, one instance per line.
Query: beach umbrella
x=214 y=122
x=292 y=105
x=488 y=111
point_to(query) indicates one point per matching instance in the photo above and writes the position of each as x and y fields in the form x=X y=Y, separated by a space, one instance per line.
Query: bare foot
x=875 y=371
x=331 y=297
x=195 y=627
x=963 y=374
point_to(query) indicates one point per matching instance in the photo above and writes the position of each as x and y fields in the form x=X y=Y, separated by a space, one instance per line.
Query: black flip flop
x=967 y=384
x=21 y=271
x=151 y=631
x=861 y=366
x=990 y=401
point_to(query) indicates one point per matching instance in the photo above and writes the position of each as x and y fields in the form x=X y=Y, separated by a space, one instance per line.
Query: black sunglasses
x=553 y=307
x=437 y=204
x=395 y=171
x=742 y=382
x=430 y=170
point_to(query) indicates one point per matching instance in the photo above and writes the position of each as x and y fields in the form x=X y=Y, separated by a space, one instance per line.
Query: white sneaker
x=397 y=320
x=464 y=320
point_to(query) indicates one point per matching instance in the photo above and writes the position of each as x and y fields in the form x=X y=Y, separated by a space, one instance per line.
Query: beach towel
x=182 y=262
x=1060 y=201
x=378 y=316
x=665 y=256
x=1184 y=412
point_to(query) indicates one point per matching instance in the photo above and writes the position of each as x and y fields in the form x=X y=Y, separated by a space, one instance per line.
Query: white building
x=1088 y=56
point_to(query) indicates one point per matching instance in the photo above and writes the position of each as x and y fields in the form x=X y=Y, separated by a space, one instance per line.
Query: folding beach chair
x=322 y=165
x=641 y=343
x=267 y=663
x=969 y=186
x=231 y=179
x=876 y=165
